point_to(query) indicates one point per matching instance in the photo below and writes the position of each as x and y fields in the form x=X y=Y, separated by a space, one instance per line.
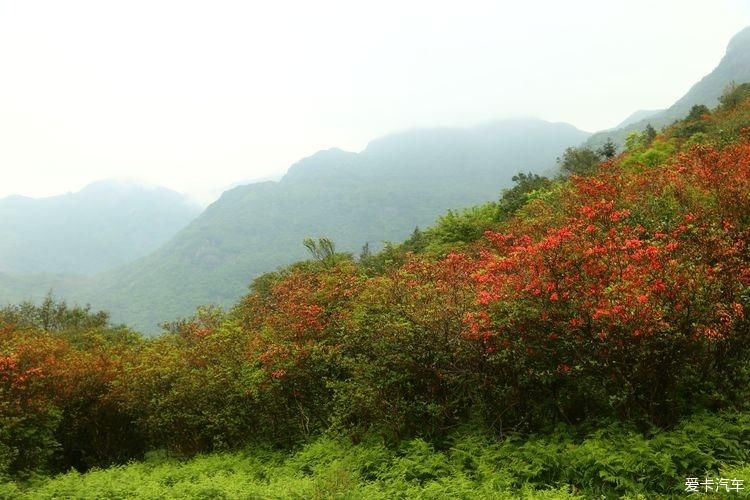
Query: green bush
x=610 y=461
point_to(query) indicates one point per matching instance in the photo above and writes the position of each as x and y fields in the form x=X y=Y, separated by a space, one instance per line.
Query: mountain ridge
x=734 y=66
x=100 y=227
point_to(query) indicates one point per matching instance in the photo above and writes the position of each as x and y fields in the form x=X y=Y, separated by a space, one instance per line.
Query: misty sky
x=198 y=95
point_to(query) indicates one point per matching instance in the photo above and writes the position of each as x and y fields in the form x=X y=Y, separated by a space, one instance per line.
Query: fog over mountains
x=103 y=226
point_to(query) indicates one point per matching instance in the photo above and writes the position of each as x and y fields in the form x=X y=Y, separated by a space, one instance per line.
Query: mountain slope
x=640 y=115
x=398 y=182
x=733 y=67
x=101 y=227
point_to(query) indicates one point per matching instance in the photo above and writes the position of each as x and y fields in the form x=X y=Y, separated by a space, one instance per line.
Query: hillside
x=590 y=340
x=733 y=67
x=101 y=227
x=640 y=115
x=380 y=194
x=398 y=182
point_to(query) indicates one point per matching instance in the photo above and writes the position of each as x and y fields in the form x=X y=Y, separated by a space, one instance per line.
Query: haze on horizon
x=197 y=96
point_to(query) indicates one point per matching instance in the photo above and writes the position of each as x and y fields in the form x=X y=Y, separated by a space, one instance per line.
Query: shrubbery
x=619 y=296
x=565 y=463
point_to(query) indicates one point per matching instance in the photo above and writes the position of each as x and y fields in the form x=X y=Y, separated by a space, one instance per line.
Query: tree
x=734 y=94
x=648 y=136
x=579 y=161
x=417 y=241
x=54 y=316
x=608 y=149
x=638 y=141
x=697 y=112
x=693 y=123
x=517 y=196
x=365 y=253
x=323 y=250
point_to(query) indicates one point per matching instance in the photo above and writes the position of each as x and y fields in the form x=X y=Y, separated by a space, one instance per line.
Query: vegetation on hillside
x=567 y=463
x=586 y=335
x=733 y=69
x=381 y=193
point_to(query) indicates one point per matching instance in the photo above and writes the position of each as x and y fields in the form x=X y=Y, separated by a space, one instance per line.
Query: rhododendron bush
x=625 y=306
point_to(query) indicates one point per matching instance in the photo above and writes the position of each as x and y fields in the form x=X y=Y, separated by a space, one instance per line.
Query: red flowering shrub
x=295 y=334
x=604 y=312
x=28 y=418
x=56 y=404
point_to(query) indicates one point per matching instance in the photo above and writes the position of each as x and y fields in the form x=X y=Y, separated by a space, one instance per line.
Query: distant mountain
x=398 y=182
x=641 y=114
x=734 y=67
x=99 y=228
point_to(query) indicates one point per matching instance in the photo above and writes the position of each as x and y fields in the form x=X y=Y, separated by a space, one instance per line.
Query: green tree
x=734 y=94
x=517 y=196
x=323 y=250
x=365 y=253
x=54 y=316
x=639 y=141
x=697 y=112
x=648 y=136
x=416 y=242
x=608 y=149
x=579 y=161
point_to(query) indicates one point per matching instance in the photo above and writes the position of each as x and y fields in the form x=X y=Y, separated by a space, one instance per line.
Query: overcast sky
x=198 y=95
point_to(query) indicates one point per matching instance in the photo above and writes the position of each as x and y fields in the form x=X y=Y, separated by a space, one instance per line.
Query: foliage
x=51 y=315
x=734 y=95
x=608 y=150
x=614 y=461
x=579 y=161
x=616 y=296
x=55 y=399
x=454 y=229
x=407 y=365
x=527 y=187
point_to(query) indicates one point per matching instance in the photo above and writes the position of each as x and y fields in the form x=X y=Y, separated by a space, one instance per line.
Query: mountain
x=640 y=115
x=99 y=228
x=733 y=67
x=398 y=182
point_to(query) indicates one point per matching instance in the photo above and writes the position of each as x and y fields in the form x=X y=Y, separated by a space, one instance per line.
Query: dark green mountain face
x=734 y=67
x=398 y=182
x=99 y=228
